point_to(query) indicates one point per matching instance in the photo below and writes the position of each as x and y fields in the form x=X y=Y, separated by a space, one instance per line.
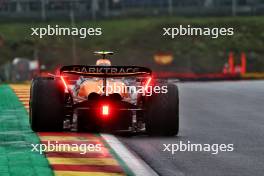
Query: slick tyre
x=162 y=113
x=46 y=105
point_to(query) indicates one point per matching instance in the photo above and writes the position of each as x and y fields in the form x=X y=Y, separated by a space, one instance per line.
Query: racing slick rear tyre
x=162 y=113
x=46 y=105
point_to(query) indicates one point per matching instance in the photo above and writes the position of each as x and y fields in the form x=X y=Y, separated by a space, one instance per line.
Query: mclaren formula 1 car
x=104 y=98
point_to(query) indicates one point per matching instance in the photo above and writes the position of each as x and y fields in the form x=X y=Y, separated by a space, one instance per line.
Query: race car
x=104 y=98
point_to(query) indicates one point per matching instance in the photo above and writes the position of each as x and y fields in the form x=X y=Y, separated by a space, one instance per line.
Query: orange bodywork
x=113 y=86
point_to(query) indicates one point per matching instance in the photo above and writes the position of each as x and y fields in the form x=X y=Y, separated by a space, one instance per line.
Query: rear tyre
x=46 y=105
x=162 y=113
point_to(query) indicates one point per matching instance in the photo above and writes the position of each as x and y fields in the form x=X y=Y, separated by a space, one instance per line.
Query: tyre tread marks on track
x=70 y=163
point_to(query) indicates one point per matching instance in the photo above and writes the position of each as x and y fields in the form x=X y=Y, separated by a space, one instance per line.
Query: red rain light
x=105 y=110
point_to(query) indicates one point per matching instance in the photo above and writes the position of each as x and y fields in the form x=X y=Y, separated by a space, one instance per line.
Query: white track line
x=134 y=163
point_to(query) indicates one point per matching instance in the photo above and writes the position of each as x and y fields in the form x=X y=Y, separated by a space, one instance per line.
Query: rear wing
x=106 y=71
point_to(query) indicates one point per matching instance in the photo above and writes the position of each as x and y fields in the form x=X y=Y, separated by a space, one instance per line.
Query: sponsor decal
x=106 y=70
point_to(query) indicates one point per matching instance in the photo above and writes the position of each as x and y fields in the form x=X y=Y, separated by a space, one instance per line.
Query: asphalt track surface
x=214 y=113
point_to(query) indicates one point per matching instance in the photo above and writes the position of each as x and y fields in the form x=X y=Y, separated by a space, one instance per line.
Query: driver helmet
x=103 y=62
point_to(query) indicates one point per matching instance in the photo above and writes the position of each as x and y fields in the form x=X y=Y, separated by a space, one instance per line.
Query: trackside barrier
x=197 y=77
x=253 y=76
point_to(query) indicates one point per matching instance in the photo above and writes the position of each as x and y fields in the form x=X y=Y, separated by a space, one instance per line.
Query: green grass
x=137 y=40
x=16 y=157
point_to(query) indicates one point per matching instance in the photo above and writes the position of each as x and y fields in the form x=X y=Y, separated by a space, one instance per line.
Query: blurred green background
x=133 y=30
